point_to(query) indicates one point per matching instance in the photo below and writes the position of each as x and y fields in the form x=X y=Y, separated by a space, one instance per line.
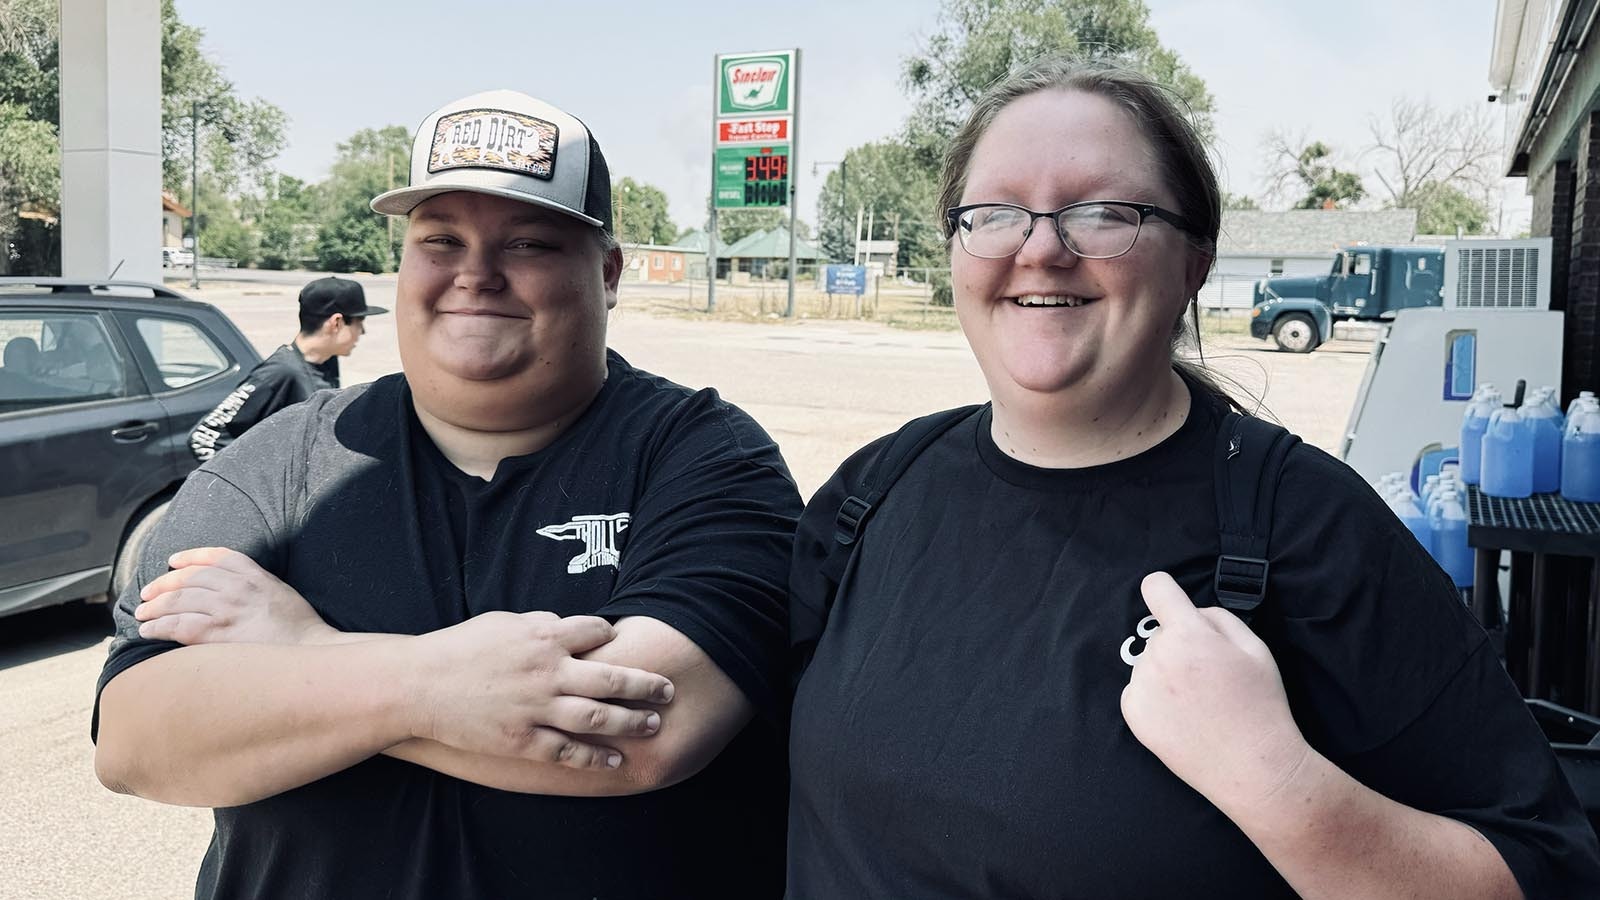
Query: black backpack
x=1249 y=461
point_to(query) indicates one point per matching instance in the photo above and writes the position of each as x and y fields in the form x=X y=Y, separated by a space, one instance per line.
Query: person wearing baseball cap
x=332 y=319
x=511 y=622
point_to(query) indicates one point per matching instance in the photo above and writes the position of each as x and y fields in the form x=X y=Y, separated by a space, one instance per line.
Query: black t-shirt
x=282 y=379
x=958 y=732
x=659 y=502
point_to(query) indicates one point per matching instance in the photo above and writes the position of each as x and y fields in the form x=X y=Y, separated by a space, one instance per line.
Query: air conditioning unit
x=1486 y=274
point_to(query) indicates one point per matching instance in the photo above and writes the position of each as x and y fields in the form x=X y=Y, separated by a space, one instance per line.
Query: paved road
x=821 y=388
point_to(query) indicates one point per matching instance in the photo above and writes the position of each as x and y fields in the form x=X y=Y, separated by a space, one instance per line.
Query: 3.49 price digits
x=766 y=168
x=766 y=179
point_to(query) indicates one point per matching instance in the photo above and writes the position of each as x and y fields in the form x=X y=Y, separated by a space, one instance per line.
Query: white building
x=1257 y=244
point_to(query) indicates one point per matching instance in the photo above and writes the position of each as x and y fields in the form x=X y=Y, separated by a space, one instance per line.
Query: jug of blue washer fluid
x=1572 y=415
x=1449 y=526
x=1414 y=519
x=1450 y=473
x=1581 y=397
x=1543 y=423
x=1485 y=400
x=1552 y=398
x=1580 y=455
x=1429 y=485
x=1507 y=456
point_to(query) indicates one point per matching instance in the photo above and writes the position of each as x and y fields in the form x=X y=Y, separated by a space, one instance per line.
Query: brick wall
x=1581 y=295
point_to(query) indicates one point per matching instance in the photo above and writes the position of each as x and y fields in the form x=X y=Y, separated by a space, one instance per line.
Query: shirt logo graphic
x=599 y=536
x=203 y=440
x=1144 y=631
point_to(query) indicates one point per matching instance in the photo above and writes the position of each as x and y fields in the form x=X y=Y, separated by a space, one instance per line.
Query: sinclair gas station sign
x=755 y=128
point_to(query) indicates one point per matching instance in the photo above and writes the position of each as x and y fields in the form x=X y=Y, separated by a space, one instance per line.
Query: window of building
x=1275 y=267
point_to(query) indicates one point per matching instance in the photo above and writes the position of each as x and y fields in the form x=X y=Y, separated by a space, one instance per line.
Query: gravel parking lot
x=822 y=388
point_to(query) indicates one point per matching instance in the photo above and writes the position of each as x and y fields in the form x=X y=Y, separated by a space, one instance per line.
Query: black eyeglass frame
x=1145 y=210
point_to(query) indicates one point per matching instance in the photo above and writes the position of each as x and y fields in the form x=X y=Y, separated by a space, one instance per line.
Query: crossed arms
x=264 y=697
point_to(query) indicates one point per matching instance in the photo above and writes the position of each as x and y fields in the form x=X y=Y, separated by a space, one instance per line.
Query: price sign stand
x=756 y=140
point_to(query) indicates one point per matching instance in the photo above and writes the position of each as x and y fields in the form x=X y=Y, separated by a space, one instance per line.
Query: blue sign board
x=845 y=279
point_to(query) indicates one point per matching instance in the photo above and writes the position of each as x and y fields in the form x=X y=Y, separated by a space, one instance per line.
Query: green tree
x=224 y=233
x=350 y=244
x=239 y=137
x=980 y=41
x=1310 y=167
x=882 y=178
x=351 y=237
x=287 y=223
x=640 y=213
x=29 y=65
x=734 y=225
x=1445 y=209
x=1238 y=201
x=30 y=154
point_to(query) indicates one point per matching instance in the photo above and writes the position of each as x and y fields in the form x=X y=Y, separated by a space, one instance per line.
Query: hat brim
x=370 y=311
x=401 y=201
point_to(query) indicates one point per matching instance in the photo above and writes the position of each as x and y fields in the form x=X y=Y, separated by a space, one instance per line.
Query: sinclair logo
x=755 y=83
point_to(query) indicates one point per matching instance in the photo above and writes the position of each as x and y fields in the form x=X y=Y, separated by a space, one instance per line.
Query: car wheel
x=1295 y=333
x=127 y=564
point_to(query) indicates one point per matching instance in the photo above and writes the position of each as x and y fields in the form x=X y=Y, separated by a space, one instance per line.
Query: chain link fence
x=911 y=297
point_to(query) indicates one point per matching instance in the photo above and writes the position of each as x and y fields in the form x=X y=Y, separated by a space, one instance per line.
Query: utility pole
x=896 y=263
x=855 y=249
x=844 y=195
x=866 y=260
x=194 y=196
x=388 y=221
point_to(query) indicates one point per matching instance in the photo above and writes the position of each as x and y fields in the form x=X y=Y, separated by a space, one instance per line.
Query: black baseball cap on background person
x=327 y=296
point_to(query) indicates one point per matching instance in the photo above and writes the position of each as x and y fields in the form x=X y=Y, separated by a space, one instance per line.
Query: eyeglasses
x=1096 y=229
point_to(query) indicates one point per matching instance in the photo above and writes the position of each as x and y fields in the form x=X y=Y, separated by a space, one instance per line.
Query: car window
x=183 y=353
x=51 y=359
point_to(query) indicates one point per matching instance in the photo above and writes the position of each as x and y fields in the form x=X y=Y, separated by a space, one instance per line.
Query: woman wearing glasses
x=1014 y=694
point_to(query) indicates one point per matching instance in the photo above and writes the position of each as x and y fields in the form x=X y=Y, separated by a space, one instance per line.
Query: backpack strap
x=1249 y=462
x=867 y=493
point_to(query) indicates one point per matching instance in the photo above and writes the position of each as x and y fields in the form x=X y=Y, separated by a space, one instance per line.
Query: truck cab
x=1364 y=283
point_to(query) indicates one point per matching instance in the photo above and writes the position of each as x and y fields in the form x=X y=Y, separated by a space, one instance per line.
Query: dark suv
x=99 y=386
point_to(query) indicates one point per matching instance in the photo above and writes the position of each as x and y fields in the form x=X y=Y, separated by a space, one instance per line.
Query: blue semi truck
x=1369 y=283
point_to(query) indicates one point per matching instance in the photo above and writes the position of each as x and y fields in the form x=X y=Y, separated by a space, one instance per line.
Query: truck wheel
x=1295 y=333
x=127 y=564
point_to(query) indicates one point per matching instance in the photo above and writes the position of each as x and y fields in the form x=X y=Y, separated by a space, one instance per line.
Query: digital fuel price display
x=754 y=176
x=766 y=180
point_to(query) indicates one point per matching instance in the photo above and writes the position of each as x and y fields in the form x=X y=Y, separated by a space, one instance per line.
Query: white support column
x=111 y=139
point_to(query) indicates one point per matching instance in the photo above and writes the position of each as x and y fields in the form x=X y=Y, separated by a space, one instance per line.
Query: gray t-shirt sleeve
x=211 y=509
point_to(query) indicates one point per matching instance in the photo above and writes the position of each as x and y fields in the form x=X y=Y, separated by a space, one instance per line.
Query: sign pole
x=711 y=237
x=794 y=177
x=752 y=159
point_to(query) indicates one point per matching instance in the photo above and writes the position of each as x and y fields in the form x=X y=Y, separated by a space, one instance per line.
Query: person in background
x=333 y=314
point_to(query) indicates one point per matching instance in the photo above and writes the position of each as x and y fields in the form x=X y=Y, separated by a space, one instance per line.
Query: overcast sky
x=640 y=73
